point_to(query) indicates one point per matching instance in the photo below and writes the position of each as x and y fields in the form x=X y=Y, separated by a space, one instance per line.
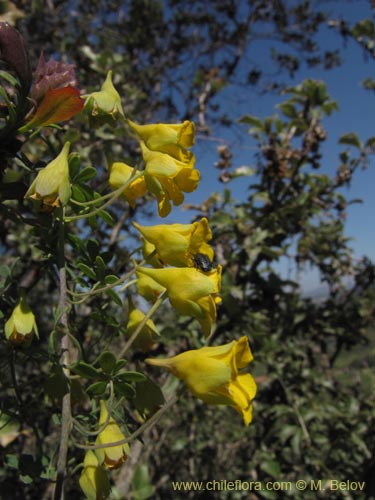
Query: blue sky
x=356 y=114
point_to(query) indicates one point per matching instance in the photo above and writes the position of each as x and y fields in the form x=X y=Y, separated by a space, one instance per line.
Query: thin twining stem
x=114 y=196
x=94 y=201
x=142 y=323
x=148 y=424
x=82 y=430
x=95 y=291
x=101 y=290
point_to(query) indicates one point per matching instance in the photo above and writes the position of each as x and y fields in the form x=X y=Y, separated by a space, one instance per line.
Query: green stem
x=142 y=323
x=66 y=347
x=149 y=423
x=116 y=194
x=82 y=430
x=94 y=291
x=92 y=202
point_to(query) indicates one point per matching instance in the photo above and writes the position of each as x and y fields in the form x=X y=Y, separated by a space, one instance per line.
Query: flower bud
x=21 y=326
x=105 y=105
x=113 y=456
x=51 y=74
x=145 y=338
x=52 y=184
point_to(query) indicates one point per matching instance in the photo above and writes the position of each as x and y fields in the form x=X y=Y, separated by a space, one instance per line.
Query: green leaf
x=365 y=28
x=78 y=193
x=74 y=164
x=114 y=297
x=107 y=217
x=97 y=388
x=85 y=370
x=351 y=139
x=87 y=271
x=85 y=175
x=56 y=385
x=75 y=241
x=11 y=461
x=110 y=279
x=124 y=389
x=142 y=488
x=93 y=248
x=100 y=264
x=131 y=376
x=370 y=143
x=251 y=120
x=107 y=362
x=148 y=397
x=271 y=467
x=288 y=109
x=120 y=364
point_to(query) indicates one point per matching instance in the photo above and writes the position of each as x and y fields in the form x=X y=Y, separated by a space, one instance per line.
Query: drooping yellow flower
x=105 y=105
x=119 y=174
x=52 y=184
x=145 y=339
x=176 y=244
x=212 y=375
x=21 y=326
x=190 y=291
x=93 y=480
x=170 y=138
x=113 y=456
x=168 y=177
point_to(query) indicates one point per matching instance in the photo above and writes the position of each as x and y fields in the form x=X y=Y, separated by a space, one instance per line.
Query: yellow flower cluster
x=213 y=374
x=190 y=290
x=169 y=165
x=182 y=269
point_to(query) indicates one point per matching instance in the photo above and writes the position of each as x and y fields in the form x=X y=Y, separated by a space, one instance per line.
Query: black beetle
x=202 y=261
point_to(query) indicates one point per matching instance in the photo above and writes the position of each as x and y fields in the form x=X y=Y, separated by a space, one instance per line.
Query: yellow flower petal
x=160 y=135
x=145 y=339
x=190 y=291
x=176 y=244
x=93 y=480
x=119 y=174
x=211 y=374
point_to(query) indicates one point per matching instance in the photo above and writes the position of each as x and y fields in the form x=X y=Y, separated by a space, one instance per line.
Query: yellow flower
x=93 y=480
x=149 y=254
x=119 y=174
x=176 y=244
x=168 y=177
x=190 y=291
x=21 y=326
x=145 y=338
x=113 y=456
x=105 y=105
x=169 y=138
x=52 y=184
x=212 y=375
